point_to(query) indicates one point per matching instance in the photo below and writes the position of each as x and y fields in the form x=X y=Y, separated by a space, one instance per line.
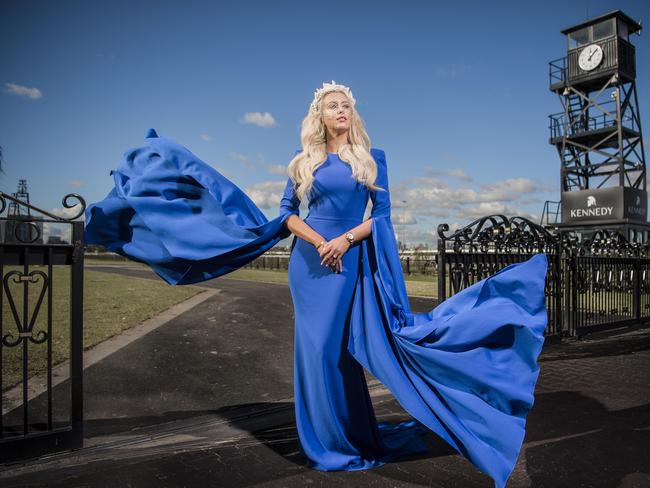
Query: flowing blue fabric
x=466 y=370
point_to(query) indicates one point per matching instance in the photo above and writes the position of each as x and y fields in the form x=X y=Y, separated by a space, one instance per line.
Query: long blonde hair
x=313 y=138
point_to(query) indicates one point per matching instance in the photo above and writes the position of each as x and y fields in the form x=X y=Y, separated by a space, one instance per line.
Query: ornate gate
x=41 y=328
x=491 y=243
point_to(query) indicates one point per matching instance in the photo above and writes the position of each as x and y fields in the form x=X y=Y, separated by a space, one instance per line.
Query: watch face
x=590 y=57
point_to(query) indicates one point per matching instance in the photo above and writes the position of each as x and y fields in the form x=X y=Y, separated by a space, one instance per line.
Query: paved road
x=205 y=400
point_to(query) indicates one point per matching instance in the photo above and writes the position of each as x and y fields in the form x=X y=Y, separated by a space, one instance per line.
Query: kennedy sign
x=604 y=204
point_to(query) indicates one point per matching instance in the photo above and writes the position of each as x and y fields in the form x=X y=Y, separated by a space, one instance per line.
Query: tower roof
x=632 y=25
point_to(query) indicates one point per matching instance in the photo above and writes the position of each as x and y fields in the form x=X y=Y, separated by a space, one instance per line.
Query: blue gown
x=465 y=370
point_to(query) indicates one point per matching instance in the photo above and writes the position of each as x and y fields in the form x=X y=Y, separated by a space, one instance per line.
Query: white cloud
x=206 y=137
x=412 y=236
x=266 y=194
x=403 y=218
x=76 y=183
x=243 y=159
x=425 y=193
x=421 y=203
x=240 y=157
x=458 y=174
x=490 y=208
x=431 y=212
x=276 y=169
x=254 y=162
x=453 y=228
x=433 y=196
x=262 y=119
x=530 y=201
x=67 y=213
x=509 y=189
x=62 y=231
x=23 y=91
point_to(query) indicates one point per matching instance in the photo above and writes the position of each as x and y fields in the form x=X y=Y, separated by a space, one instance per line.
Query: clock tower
x=598 y=133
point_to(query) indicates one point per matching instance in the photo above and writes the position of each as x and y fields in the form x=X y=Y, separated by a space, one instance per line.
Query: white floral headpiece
x=327 y=88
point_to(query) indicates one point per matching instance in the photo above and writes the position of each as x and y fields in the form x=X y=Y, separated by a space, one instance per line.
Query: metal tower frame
x=598 y=134
x=596 y=141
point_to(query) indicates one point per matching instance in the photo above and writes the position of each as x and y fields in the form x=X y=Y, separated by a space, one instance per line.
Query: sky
x=455 y=93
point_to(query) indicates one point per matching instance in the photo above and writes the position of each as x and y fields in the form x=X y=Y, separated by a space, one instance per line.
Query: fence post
x=572 y=295
x=76 y=326
x=637 y=286
x=556 y=286
x=442 y=270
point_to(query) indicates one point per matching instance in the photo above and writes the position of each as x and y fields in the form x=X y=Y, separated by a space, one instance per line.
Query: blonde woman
x=466 y=370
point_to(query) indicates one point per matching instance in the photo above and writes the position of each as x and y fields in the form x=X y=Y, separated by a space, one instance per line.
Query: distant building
x=19 y=225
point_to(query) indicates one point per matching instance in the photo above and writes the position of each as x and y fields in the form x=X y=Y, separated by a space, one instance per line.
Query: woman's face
x=337 y=113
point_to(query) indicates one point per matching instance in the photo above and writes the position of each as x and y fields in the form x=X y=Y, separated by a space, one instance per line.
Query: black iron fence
x=41 y=295
x=607 y=282
x=591 y=284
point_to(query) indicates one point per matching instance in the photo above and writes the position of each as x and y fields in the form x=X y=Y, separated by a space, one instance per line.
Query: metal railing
x=557 y=71
x=578 y=123
x=597 y=283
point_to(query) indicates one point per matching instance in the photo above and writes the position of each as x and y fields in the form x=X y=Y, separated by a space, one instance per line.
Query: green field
x=112 y=303
x=416 y=285
x=426 y=286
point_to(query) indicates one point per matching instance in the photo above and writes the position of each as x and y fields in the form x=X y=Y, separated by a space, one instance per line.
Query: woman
x=466 y=370
x=335 y=161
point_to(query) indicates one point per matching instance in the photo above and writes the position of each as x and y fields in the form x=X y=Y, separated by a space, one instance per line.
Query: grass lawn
x=426 y=286
x=112 y=303
x=122 y=262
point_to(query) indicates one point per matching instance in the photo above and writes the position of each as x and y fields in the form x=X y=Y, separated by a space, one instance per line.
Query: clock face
x=590 y=57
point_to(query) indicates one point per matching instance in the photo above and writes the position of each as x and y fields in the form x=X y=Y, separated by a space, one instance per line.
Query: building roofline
x=633 y=25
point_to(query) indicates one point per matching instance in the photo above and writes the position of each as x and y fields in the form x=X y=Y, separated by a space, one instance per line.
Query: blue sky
x=456 y=93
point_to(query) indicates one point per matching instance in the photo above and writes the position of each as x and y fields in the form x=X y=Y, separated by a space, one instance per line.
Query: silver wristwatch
x=350 y=237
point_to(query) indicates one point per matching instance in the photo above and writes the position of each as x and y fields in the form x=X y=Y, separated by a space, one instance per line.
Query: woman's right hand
x=335 y=265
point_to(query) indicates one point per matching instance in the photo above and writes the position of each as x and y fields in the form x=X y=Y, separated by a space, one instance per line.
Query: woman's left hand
x=332 y=252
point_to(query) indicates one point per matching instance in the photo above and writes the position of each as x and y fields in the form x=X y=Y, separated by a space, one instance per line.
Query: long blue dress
x=465 y=370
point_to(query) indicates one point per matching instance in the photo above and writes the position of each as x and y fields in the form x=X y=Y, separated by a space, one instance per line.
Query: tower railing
x=557 y=71
x=552 y=213
x=579 y=123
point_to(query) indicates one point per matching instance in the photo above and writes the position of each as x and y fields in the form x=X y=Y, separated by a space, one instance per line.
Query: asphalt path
x=205 y=400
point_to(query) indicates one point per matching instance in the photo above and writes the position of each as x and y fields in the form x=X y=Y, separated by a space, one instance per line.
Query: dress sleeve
x=380 y=199
x=290 y=202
